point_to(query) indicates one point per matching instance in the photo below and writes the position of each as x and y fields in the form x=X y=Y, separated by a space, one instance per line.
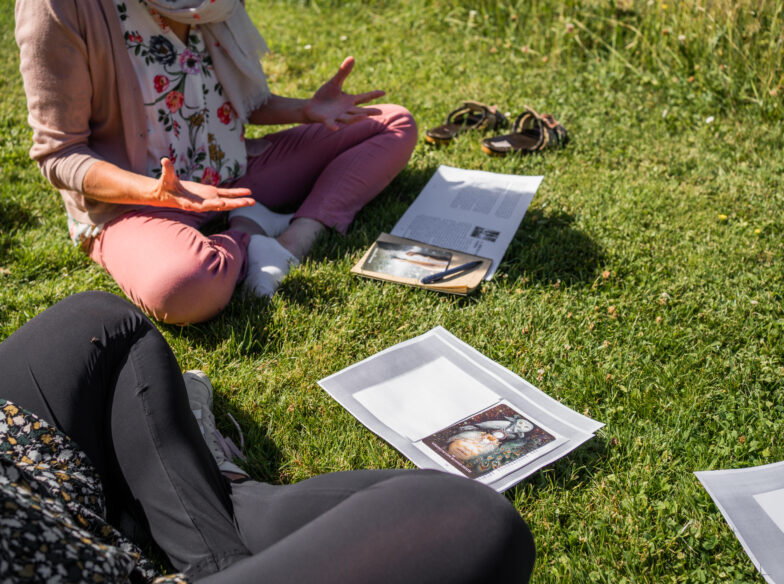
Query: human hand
x=170 y=191
x=330 y=105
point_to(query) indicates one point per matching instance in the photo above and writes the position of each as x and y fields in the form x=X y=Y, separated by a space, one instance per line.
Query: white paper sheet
x=471 y=211
x=426 y=399
x=419 y=389
x=752 y=501
x=772 y=503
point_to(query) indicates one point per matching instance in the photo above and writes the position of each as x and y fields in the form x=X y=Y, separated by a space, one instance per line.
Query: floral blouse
x=52 y=512
x=188 y=117
x=189 y=120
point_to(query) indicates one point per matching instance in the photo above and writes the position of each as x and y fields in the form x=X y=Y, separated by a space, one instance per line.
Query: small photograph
x=489 y=440
x=406 y=261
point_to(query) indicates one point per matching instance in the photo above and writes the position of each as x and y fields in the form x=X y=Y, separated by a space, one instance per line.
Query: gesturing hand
x=170 y=191
x=330 y=105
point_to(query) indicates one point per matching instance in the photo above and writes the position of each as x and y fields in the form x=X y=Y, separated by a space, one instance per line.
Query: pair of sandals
x=531 y=131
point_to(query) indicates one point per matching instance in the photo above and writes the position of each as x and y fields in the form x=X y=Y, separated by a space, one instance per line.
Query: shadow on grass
x=243 y=324
x=14 y=216
x=264 y=458
x=547 y=249
x=378 y=216
x=567 y=473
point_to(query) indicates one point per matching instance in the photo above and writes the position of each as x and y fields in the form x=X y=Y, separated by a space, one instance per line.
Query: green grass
x=644 y=287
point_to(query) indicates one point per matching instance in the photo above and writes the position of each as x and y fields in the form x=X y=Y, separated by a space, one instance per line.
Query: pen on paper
x=433 y=278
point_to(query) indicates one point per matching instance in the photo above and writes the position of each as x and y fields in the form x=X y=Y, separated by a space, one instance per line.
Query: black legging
x=98 y=369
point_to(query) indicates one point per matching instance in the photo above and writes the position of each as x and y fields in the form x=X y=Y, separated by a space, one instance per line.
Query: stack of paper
x=446 y=406
x=470 y=211
x=752 y=502
x=454 y=234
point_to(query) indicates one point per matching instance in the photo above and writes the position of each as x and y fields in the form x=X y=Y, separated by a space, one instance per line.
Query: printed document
x=469 y=211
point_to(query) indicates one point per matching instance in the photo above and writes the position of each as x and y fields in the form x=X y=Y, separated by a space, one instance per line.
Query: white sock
x=268 y=264
x=272 y=223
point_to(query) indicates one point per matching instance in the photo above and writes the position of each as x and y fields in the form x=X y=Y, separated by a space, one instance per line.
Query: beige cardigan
x=83 y=97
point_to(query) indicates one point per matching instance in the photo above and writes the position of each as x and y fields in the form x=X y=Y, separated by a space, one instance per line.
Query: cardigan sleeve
x=57 y=82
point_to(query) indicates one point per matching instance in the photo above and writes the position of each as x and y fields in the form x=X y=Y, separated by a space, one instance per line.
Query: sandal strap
x=464 y=110
x=548 y=128
x=495 y=119
x=489 y=116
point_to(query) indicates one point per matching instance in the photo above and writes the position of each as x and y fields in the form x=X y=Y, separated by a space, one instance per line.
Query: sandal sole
x=490 y=152
x=439 y=141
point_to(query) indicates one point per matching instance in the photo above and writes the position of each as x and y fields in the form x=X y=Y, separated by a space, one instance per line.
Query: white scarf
x=234 y=43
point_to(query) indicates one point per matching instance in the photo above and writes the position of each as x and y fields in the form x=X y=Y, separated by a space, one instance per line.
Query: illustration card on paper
x=409 y=261
x=494 y=440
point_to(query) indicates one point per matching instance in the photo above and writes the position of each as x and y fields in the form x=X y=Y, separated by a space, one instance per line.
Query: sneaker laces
x=227 y=445
x=223 y=448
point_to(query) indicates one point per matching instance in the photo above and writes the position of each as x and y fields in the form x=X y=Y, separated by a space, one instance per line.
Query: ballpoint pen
x=433 y=278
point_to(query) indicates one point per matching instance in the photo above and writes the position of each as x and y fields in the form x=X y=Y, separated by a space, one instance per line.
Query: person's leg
x=327 y=176
x=167 y=267
x=330 y=175
x=392 y=526
x=94 y=366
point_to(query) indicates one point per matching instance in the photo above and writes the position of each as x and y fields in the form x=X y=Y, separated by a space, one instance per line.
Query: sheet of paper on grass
x=752 y=502
x=470 y=211
x=446 y=406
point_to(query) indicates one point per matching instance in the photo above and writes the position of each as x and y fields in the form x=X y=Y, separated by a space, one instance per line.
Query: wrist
x=305 y=108
x=146 y=190
x=108 y=183
x=281 y=110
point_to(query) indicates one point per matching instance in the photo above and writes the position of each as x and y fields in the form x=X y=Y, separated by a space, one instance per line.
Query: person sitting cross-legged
x=139 y=109
x=98 y=424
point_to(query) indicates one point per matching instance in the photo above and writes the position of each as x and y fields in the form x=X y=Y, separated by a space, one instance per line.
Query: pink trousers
x=165 y=265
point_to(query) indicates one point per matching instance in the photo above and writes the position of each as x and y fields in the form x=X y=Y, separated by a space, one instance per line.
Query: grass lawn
x=643 y=289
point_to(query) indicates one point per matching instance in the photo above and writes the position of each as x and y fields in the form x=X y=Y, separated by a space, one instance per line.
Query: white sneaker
x=199 y=389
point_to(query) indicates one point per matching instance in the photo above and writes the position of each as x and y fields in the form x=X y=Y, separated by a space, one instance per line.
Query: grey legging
x=99 y=370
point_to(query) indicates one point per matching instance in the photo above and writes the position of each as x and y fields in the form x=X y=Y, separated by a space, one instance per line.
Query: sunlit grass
x=644 y=287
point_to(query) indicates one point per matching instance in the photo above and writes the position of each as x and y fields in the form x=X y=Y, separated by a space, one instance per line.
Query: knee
x=493 y=529
x=100 y=316
x=189 y=292
x=401 y=123
x=97 y=302
x=109 y=310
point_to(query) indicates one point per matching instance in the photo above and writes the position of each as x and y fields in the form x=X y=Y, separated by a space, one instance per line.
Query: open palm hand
x=192 y=196
x=330 y=105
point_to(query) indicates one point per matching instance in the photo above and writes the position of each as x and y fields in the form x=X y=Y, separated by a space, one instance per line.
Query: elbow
x=66 y=168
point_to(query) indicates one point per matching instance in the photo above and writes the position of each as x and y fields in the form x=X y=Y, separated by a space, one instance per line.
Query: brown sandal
x=471 y=115
x=531 y=132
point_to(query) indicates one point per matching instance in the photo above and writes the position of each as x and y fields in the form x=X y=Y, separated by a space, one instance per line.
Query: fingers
x=357 y=114
x=222 y=200
x=343 y=72
x=167 y=169
x=345 y=68
x=365 y=111
x=225 y=204
x=234 y=193
x=198 y=197
x=201 y=205
x=369 y=96
x=332 y=124
x=168 y=173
